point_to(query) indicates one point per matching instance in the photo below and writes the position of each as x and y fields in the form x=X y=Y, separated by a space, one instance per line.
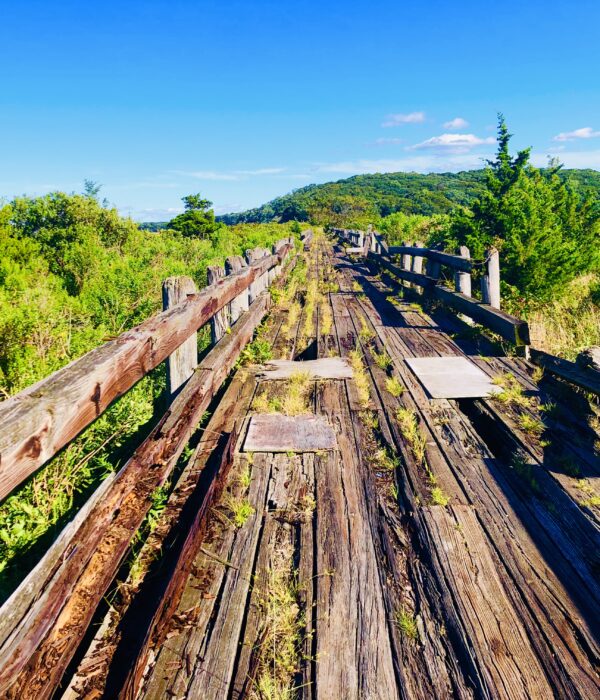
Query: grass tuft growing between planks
x=238 y=509
x=292 y=397
x=393 y=385
x=512 y=392
x=591 y=498
x=382 y=360
x=407 y=624
x=360 y=377
x=281 y=649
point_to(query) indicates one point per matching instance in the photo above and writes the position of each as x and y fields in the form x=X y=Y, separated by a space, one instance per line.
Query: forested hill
x=370 y=196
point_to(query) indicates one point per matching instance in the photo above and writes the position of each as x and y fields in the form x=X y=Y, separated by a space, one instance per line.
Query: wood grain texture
x=39 y=421
x=180 y=365
x=40 y=648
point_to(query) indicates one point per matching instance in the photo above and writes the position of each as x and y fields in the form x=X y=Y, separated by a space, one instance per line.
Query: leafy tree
x=198 y=219
x=546 y=232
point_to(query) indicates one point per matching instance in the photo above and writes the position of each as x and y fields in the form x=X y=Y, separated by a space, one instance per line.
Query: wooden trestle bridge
x=342 y=530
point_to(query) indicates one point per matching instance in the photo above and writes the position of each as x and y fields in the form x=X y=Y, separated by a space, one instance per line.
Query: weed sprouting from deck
x=407 y=624
x=257 y=352
x=382 y=359
x=530 y=424
x=592 y=499
x=360 y=377
x=438 y=497
x=291 y=397
x=239 y=510
x=512 y=391
x=393 y=385
x=280 y=651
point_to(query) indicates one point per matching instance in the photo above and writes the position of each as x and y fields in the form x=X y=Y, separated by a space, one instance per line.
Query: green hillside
x=364 y=198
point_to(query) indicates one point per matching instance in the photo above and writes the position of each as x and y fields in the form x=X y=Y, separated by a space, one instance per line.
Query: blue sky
x=243 y=101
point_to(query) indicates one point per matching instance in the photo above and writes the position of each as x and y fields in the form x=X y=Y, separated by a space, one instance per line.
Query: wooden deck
x=442 y=549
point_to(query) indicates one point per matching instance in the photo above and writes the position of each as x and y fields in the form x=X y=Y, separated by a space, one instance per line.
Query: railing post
x=237 y=306
x=490 y=282
x=462 y=280
x=180 y=364
x=219 y=323
x=417 y=261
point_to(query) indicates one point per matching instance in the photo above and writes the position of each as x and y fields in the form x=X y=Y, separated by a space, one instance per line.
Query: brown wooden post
x=462 y=280
x=181 y=363
x=237 y=306
x=219 y=323
x=490 y=282
x=433 y=269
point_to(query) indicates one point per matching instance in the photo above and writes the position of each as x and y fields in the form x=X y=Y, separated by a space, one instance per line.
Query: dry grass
x=297 y=393
x=407 y=420
x=512 y=392
x=360 y=377
x=280 y=652
x=393 y=385
x=289 y=328
x=382 y=359
x=566 y=326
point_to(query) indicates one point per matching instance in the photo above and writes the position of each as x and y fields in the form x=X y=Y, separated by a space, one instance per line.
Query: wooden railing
x=45 y=619
x=421 y=267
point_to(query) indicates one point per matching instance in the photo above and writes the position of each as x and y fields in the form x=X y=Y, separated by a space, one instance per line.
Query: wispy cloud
x=571 y=159
x=399 y=119
x=456 y=123
x=206 y=174
x=455 y=143
x=430 y=162
x=232 y=175
x=260 y=171
x=385 y=142
x=585 y=132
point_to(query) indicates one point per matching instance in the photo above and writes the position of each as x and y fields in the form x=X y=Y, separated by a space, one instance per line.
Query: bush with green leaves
x=547 y=233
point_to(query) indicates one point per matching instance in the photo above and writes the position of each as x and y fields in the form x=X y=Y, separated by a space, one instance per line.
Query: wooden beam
x=35 y=656
x=462 y=280
x=42 y=419
x=408 y=275
x=455 y=261
x=505 y=325
x=571 y=372
x=490 y=282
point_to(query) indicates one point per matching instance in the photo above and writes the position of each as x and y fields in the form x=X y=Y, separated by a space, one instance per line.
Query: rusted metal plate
x=278 y=433
x=451 y=377
x=323 y=368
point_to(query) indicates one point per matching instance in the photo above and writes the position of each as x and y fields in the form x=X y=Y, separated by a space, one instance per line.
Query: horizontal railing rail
x=39 y=421
x=47 y=616
x=420 y=266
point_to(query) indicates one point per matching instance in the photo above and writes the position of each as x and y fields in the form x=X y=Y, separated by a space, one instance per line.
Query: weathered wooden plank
x=513 y=329
x=456 y=261
x=181 y=363
x=39 y=421
x=214 y=666
x=279 y=433
x=404 y=274
x=34 y=658
x=158 y=628
x=323 y=368
x=569 y=371
x=356 y=663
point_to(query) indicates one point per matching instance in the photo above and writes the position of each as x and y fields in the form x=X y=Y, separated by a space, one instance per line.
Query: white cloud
x=570 y=159
x=206 y=174
x=457 y=143
x=385 y=142
x=430 y=162
x=585 y=132
x=456 y=123
x=398 y=119
x=260 y=171
x=233 y=175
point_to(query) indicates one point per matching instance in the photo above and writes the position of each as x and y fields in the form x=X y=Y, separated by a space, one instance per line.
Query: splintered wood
x=278 y=433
